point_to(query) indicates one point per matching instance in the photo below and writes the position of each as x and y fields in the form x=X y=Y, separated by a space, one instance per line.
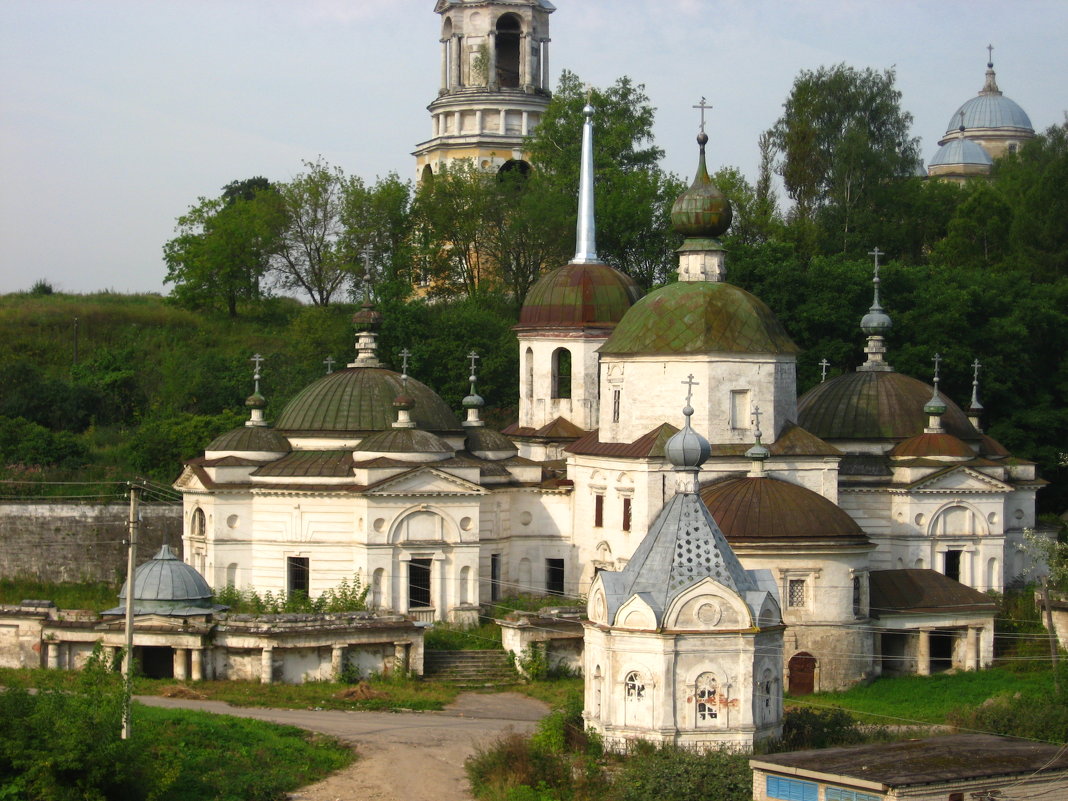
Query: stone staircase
x=470 y=668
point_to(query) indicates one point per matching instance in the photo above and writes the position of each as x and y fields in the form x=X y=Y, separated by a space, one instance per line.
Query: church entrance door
x=802 y=673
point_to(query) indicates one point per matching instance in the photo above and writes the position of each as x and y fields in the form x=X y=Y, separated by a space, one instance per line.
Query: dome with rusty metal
x=250 y=439
x=932 y=445
x=702 y=211
x=874 y=405
x=404 y=443
x=358 y=400
x=368 y=318
x=762 y=509
x=699 y=317
x=579 y=295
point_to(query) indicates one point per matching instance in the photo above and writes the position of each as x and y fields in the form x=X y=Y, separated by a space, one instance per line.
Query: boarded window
x=740 y=417
x=298 y=575
x=626 y=514
x=598 y=511
x=791 y=789
x=705 y=696
x=495 y=576
x=634 y=687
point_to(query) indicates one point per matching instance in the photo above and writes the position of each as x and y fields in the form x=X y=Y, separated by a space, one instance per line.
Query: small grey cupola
x=759 y=453
x=936 y=406
x=256 y=402
x=366 y=321
x=586 y=227
x=875 y=324
x=975 y=408
x=473 y=402
x=687 y=450
x=165 y=585
x=404 y=403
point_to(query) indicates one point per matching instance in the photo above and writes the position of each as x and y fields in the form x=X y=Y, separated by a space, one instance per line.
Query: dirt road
x=404 y=756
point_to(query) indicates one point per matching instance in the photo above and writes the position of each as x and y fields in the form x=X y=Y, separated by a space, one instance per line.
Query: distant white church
x=867 y=522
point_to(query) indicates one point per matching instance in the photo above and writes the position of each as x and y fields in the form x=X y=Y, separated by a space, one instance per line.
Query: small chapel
x=772 y=542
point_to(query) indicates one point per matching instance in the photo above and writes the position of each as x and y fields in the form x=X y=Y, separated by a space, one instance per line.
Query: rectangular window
x=796 y=593
x=791 y=789
x=298 y=575
x=857 y=605
x=495 y=576
x=598 y=511
x=554 y=576
x=952 y=565
x=626 y=514
x=419 y=583
x=739 y=410
x=615 y=405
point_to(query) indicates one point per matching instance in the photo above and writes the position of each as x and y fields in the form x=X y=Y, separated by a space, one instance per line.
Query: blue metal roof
x=990 y=111
x=961 y=151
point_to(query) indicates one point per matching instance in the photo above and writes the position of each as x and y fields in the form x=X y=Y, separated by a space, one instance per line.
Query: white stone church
x=861 y=529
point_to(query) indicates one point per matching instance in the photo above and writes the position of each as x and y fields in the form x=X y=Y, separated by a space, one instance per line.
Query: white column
x=444 y=64
x=973 y=649
x=524 y=60
x=337 y=661
x=526 y=123
x=266 y=665
x=546 y=78
x=52 y=659
x=179 y=664
x=457 y=56
x=491 y=66
x=923 y=653
x=478 y=121
x=400 y=656
x=197 y=664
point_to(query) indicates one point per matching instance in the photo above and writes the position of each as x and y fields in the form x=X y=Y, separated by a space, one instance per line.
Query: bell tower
x=494 y=83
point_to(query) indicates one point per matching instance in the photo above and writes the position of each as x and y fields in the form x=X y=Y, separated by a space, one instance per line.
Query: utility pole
x=131 y=563
x=1052 y=631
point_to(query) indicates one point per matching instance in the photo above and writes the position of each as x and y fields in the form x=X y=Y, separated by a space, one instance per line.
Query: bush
x=1043 y=717
x=804 y=728
x=345 y=597
x=670 y=773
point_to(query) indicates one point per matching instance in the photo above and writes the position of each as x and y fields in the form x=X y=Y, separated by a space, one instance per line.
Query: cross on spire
x=990 y=55
x=703 y=106
x=404 y=354
x=329 y=362
x=257 y=360
x=876 y=253
x=690 y=384
x=756 y=422
x=473 y=357
x=824 y=364
x=937 y=359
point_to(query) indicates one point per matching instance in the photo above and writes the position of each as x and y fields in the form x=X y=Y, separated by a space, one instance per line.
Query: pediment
x=425 y=481
x=189 y=479
x=959 y=479
x=708 y=605
x=635 y=613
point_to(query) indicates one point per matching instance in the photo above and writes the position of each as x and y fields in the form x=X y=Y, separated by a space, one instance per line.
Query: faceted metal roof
x=404 y=440
x=699 y=317
x=990 y=111
x=920 y=590
x=359 y=400
x=754 y=509
x=932 y=445
x=250 y=438
x=485 y=440
x=304 y=464
x=165 y=582
x=874 y=405
x=579 y=295
x=961 y=151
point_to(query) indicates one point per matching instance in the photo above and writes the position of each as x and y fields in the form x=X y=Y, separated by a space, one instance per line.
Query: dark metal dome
x=923 y=445
x=702 y=211
x=874 y=405
x=358 y=400
x=756 y=509
x=699 y=317
x=250 y=438
x=578 y=295
x=165 y=583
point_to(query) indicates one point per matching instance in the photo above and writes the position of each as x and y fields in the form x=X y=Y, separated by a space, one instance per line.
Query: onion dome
x=368 y=318
x=961 y=151
x=762 y=509
x=991 y=109
x=687 y=450
x=256 y=401
x=579 y=295
x=357 y=400
x=932 y=446
x=936 y=405
x=872 y=405
x=699 y=317
x=702 y=211
x=252 y=439
x=404 y=444
x=165 y=584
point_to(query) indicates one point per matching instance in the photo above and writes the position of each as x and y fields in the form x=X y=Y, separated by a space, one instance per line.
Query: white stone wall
x=537 y=405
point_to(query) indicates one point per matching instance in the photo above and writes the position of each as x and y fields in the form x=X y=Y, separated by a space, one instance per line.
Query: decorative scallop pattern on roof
x=961 y=151
x=578 y=295
x=168 y=580
x=754 y=509
x=699 y=317
x=360 y=399
x=990 y=111
x=874 y=405
x=932 y=445
x=250 y=438
x=403 y=440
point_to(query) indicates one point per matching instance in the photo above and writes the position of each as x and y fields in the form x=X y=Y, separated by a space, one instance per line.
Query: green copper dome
x=702 y=211
x=874 y=405
x=699 y=317
x=578 y=295
x=358 y=400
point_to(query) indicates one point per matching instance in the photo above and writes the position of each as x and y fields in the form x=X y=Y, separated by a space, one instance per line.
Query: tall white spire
x=586 y=229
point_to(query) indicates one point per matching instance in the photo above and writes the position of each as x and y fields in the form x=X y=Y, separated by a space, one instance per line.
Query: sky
x=116 y=115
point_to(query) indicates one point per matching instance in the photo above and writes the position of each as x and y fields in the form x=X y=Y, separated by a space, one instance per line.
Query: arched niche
x=509 y=29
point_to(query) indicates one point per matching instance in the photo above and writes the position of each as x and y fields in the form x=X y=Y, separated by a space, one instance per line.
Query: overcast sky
x=115 y=115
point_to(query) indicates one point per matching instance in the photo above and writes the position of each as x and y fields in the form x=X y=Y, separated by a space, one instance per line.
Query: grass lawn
x=224 y=758
x=928 y=699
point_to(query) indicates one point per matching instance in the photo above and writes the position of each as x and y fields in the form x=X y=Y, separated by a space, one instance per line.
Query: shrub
x=804 y=728
x=670 y=773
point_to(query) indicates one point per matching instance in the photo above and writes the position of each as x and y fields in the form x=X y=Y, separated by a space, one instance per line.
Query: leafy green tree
x=978 y=233
x=160 y=444
x=26 y=443
x=313 y=252
x=221 y=253
x=671 y=773
x=378 y=230
x=633 y=194
x=842 y=134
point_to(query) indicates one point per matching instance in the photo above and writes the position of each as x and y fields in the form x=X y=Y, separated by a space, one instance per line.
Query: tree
x=313 y=252
x=633 y=195
x=842 y=133
x=223 y=246
x=377 y=225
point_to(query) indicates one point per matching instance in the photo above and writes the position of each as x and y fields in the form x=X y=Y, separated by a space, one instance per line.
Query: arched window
x=561 y=373
x=528 y=369
x=993 y=579
x=508 y=29
x=198 y=525
x=634 y=687
x=705 y=697
x=231 y=574
x=427 y=174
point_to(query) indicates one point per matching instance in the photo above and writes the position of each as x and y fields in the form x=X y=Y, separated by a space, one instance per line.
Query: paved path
x=403 y=756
